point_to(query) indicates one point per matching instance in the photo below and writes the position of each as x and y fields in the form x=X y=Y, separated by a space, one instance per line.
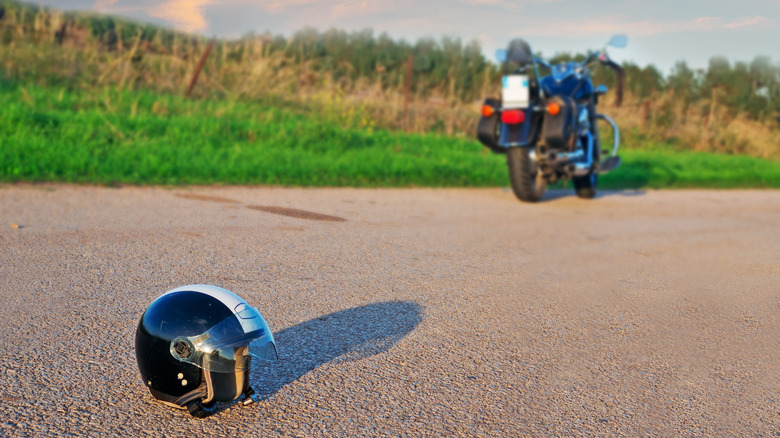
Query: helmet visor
x=229 y=345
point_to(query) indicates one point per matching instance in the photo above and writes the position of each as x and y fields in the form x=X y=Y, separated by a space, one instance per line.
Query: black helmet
x=194 y=346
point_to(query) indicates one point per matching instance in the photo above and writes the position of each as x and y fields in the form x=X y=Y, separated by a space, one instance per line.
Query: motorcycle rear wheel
x=585 y=186
x=527 y=181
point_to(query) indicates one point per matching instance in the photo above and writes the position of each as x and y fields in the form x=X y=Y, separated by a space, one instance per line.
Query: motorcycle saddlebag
x=559 y=131
x=487 y=128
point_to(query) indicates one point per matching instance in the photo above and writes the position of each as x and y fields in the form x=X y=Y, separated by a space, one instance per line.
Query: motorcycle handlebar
x=621 y=77
x=592 y=57
x=542 y=62
x=604 y=60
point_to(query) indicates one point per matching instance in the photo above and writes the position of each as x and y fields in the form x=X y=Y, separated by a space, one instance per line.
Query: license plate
x=515 y=91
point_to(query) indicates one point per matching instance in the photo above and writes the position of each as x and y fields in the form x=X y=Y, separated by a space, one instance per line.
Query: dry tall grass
x=56 y=50
x=701 y=126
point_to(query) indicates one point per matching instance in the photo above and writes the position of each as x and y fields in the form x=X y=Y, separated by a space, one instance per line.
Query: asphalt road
x=412 y=312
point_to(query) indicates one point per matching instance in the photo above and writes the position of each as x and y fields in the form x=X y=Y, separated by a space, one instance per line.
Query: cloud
x=278 y=6
x=714 y=23
x=512 y=5
x=357 y=7
x=506 y=4
x=611 y=25
x=418 y=17
x=748 y=22
x=104 y=5
x=186 y=15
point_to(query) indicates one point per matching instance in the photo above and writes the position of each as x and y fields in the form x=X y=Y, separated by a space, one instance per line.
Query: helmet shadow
x=343 y=336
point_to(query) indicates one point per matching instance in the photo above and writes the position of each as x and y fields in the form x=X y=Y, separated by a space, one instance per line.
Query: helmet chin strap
x=199 y=409
x=196 y=405
x=200 y=401
x=197 y=394
x=193 y=401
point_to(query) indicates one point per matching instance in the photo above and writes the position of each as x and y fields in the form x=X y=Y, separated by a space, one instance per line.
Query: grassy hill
x=93 y=99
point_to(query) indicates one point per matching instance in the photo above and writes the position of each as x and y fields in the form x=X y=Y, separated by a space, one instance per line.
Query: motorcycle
x=547 y=125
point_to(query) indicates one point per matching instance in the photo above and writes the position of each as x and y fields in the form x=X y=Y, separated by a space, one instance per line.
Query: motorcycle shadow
x=552 y=195
x=558 y=194
x=343 y=336
x=623 y=193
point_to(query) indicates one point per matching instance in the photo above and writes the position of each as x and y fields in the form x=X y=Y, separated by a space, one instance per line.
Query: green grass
x=135 y=137
x=143 y=138
x=660 y=167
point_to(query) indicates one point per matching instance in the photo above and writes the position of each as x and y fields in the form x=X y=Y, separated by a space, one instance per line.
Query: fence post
x=200 y=67
x=406 y=91
x=621 y=82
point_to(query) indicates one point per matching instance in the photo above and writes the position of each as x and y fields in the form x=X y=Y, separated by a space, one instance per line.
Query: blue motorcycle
x=547 y=125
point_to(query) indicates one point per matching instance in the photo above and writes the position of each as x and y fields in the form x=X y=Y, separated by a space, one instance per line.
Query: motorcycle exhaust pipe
x=562 y=158
x=577 y=163
x=555 y=158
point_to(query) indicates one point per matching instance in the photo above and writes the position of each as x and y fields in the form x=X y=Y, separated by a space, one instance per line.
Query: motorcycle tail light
x=553 y=109
x=487 y=110
x=513 y=117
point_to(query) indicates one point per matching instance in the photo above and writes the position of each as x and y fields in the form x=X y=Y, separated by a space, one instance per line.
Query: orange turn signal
x=487 y=111
x=553 y=109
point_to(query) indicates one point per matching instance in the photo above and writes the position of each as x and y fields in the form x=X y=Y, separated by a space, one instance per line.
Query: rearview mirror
x=619 y=41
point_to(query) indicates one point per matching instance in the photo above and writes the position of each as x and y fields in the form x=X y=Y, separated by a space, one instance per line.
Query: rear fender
x=521 y=134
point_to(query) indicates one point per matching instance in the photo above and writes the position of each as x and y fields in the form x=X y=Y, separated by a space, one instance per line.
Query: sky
x=660 y=32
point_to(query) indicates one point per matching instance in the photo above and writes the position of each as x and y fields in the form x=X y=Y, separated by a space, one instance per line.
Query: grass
x=110 y=137
x=661 y=167
x=107 y=136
